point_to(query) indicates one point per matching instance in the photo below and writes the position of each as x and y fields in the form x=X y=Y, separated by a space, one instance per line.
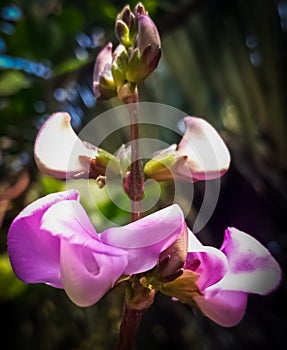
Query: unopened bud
x=140 y=9
x=146 y=59
x=127 y=16
x=103 y=83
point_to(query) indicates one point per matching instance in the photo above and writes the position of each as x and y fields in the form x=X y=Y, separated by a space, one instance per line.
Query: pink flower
x=227 y=276
x=200 y=155
x=60 y=153
x=52 y=241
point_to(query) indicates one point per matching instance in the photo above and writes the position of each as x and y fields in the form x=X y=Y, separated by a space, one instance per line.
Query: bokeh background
x=224 y=60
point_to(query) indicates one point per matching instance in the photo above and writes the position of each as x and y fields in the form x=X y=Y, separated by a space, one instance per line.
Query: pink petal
x=58 y=150
x=89 y=267
x=208 y=157
x=104 y=58
x=225 y=308
x=89 y=273
x=33 y=251
x=210 y=263
x=252 y=268
x=211 y=267
x=146 y=238
x=68 y=220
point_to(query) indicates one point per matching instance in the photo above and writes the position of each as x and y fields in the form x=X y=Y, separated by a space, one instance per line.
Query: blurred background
x=222 y=60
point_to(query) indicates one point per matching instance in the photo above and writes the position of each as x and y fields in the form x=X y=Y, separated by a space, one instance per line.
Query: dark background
x=222 y=60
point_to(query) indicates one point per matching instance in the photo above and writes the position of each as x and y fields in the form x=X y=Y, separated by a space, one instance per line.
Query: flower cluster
x=53 y=241
x=117 y=73
x=159 y=247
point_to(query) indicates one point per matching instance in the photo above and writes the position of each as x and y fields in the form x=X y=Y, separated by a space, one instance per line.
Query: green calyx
x=107 y=164
x=183 y=288
x=160 y=168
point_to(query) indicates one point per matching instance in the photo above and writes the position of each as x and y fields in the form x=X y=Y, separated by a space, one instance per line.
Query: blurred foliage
x=10 y=286
x=223 y=60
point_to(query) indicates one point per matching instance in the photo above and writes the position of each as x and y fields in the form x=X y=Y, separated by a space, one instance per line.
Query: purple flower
x=225 y=277
x=52 y=241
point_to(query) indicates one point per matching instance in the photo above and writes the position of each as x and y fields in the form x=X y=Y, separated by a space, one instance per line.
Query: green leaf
x=13 y=81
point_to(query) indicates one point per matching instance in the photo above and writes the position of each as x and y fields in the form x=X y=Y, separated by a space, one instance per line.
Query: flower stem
x=136 y=178
x=138 y=298
x=131 y=320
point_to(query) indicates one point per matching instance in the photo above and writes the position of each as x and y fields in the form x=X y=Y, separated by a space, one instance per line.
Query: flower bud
x=127 y=16
x=140 y=9
x=103 y=82
x=145 y=58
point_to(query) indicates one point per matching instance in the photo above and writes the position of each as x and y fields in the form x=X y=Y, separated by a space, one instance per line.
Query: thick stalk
x=137 y=300
x=136 y=179
x=131 y=320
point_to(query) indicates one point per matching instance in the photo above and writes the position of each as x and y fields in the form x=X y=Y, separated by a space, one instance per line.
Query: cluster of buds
x=137 y=55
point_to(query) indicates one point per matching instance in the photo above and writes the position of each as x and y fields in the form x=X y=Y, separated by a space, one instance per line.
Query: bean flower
x=218 y=281
x=68 y=156
x=200 y=155
x=53 y=241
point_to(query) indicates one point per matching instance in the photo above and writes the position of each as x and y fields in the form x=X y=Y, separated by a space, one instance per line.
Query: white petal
x=58 y=151
x=208 y=156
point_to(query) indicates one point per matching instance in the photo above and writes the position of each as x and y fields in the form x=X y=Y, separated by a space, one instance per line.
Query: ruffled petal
x=33 y=251
x=59 y=152
x=225 y=308
x=69 y=220
x=210 y=263
x=208 y=156
x=146 y=238
x=212 y=266
x=89 y=267
x=252 y=268
x=89 y=273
